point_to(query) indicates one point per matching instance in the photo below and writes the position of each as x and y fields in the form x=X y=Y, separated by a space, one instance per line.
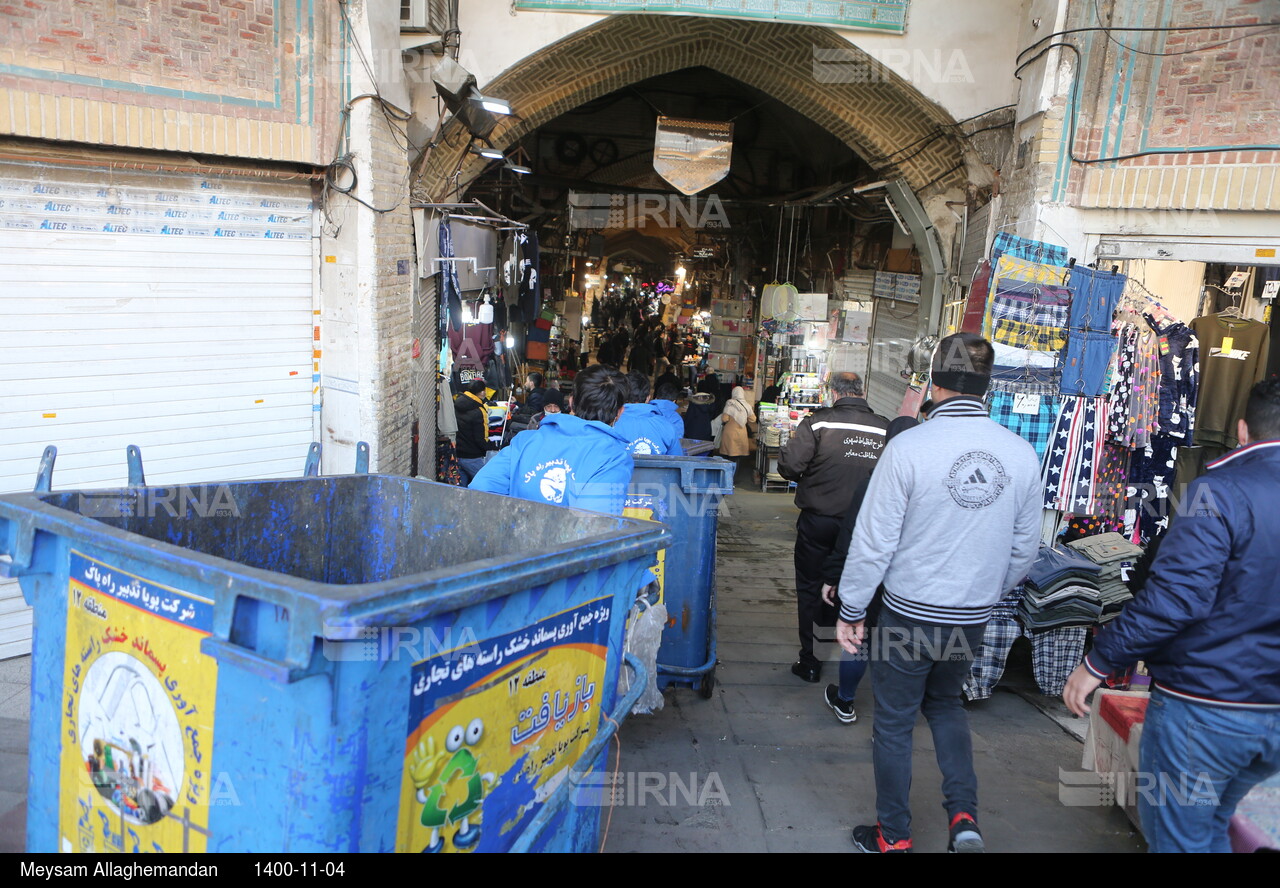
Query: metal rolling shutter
x=893 y=330
x=975 y=243
x=171 y=311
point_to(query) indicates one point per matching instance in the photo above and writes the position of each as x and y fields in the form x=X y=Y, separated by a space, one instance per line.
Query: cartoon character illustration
x=553 y=485
x=433 y=770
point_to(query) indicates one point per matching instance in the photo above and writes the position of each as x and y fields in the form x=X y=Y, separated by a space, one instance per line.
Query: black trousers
x=815 y=538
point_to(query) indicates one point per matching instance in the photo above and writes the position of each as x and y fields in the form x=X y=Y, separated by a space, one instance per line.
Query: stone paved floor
x=792 y=777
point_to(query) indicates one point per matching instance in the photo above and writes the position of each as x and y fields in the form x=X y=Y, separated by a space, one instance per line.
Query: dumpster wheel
x=706 y=687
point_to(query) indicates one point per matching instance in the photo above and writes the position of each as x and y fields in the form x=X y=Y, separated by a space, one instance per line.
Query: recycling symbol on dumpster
x=433 y=771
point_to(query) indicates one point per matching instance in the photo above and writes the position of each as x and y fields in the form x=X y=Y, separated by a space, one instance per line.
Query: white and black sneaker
x=843 y=709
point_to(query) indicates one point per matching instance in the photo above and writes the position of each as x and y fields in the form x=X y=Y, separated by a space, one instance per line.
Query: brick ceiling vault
x=875 y=119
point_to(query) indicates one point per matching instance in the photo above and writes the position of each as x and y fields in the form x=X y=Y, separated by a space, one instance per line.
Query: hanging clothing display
x=1110 y=482
x=1094 y=296
x=530 y=285
x=1030 y=316
x=975 y=308
x=450 y=288
x=1133 y=404
x=1233 y=359
x=472 y=346
x=1122 y=372
x=446 y=417
x=1179 y=376
x=1011 y=356
x=1151 y=475
x=1086 y=360
x=1028 y=409
x=1025 y=248
x=447 y=469
x=1072 y=462
x=1011 y=271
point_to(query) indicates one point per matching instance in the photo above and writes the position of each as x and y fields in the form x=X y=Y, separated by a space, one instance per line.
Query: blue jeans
x=921 y=667
x=1197 y=763
x=1086 y=362
x=469 y=468
x=852 y=668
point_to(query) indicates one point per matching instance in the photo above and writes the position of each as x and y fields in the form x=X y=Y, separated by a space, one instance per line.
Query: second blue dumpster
x=684 y=493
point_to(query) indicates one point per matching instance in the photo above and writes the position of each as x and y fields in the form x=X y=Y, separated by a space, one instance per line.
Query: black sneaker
x=965 y=838
x=844 y=711
x=807 y=671
x=869 y=841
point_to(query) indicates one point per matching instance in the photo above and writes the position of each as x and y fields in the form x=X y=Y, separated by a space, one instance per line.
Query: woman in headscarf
x=734 y=443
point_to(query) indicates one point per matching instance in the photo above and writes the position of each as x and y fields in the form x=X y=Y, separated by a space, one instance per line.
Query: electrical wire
x=1143 y=29
x=1098 y=14
x=1071 y=135
x=939 y=131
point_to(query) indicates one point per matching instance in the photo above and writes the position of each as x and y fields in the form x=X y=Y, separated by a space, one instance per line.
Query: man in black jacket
x=829 y=455
x=473 y=429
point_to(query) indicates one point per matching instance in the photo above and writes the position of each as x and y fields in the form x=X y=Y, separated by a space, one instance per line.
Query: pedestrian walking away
x=839 y=697
x=830 y=454
x=950 y=523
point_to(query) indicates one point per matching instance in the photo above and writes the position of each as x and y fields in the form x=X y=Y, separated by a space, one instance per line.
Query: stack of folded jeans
x=1061 y=589
x=1115 y=556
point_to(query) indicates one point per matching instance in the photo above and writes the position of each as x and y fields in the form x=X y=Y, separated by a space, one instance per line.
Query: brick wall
x=1134 y=102
x=876 y=115
x=249 y=78
x=393 y=271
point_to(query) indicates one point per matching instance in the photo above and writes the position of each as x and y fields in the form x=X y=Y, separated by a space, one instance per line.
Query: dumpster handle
x=551 y=807
x=44 y=475
x=362 y=457
x=133 y=455
x=311 y=469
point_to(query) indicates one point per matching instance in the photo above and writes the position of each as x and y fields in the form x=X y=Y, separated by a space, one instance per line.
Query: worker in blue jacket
x=573 y=459
x=1207 y=624
x=643 y=424
x=664 y=398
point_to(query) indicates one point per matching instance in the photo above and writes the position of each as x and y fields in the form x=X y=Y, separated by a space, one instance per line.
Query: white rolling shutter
x=171 y=311
x=893 y=330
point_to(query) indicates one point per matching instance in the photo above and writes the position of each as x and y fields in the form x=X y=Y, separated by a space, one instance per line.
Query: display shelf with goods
x=776 y=424
x=803 y=391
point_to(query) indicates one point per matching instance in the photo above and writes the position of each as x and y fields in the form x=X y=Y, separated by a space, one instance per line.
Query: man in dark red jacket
x=1207 y=625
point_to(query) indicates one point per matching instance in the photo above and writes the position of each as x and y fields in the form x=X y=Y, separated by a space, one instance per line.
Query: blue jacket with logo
x=1207 y=624
x=671 y=414
x=567 y=461
x=647 y=431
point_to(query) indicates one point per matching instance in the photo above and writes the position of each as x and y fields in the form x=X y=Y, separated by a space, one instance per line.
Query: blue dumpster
x=684 y=493
x=357 y=663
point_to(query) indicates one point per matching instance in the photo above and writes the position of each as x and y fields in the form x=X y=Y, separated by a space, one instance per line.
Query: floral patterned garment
x=1144 y=399
x=1122 y=370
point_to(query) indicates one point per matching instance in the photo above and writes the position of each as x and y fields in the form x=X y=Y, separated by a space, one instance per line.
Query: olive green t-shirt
x=1227 y=376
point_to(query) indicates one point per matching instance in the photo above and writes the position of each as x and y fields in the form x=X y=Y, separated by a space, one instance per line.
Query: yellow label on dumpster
x=641 y=506
x=137 y=714
x=494 y=727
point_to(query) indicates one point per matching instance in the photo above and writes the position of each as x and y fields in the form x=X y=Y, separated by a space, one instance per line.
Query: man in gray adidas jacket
x=951 y=522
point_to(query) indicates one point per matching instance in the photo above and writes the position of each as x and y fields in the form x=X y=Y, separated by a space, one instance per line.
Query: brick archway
x=877 y=119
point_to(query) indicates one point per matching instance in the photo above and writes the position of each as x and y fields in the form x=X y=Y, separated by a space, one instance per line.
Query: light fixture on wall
x=500 y=107
x=457 y=88
x=517 y=168
x=487 y=152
